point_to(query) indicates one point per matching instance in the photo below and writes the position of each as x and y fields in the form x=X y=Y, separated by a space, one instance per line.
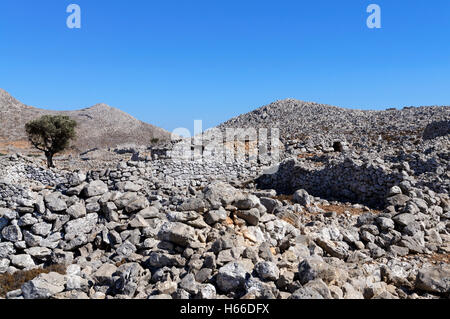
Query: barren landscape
x=357 y=207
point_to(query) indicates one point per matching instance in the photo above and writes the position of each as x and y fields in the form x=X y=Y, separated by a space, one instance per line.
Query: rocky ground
x=342 y=218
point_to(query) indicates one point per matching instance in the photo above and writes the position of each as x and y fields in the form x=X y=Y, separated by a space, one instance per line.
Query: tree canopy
x=51 y=134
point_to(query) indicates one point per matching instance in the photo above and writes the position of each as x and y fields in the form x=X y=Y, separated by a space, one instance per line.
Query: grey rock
x=231 y=277
x=80 y=226
x=267 y=270
x=77 y=210
x=251 y=216
x=215 y=216
x=335 y=249
x=44 y=286
x=4 y=222
x=385 y=223
x=125 y=249
x=203 y=275
x=404 y=219
x=138 y=204
x=270 y=204
x=26 y=220
x=4 y=264
x=95 y=188
x=220 y=193
x=128 y=187
x=138 y=222
x=398 y=251
x=38 y=252
x=207 y=291
x=434 y=279
x=55 y=203
x=302 y=197
x=189 y=284
x=412 y=244
x=247 y=202
x=103 y=275
x=314 y=267
x=319 y=286
x=159 y=260
x=306 y=293
x=23 y=261
x=32 y=240
x=395 y=190
x=193 y=204
x=110 y=211
x=41 y=229
x=177 y=233
x=12 y=233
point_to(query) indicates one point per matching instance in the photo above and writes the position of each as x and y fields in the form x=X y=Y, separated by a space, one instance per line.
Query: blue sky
x=171 y=62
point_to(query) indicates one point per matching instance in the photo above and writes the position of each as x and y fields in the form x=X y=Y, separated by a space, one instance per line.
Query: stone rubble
x=354 y=221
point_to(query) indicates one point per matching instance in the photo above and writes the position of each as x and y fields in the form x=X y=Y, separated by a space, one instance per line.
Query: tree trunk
x=49 y=157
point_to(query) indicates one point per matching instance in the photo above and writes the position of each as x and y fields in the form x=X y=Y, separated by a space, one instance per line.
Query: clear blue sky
x=170 y=62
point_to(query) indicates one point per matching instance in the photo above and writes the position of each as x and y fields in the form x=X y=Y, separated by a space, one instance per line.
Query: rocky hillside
x=302 y=120
x=357 y=207
x=100 y=126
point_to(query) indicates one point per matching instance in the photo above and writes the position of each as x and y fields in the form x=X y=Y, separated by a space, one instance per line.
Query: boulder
x=177 y=233
x=81 y=226
x=44 y=286
x=12 y=233
x=22 y=261
x=434 y=279
x=220 y=193
x=267 y=270
x=77 y=210
x=95 y=188
x=104 y=274
x=55 y=203
x=302 y=197
x=251 y=216
x=231 y=277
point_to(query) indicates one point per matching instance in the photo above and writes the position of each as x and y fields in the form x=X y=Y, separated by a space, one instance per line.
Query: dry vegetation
x=433 y=258
x=10 y=282
x=306 y=155
x=341 y=209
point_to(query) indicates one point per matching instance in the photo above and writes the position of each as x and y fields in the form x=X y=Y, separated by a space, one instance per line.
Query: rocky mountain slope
x=298 y=120
x=100 y=126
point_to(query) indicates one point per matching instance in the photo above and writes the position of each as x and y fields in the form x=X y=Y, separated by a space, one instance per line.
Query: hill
x=301 y=120
x=99 y=126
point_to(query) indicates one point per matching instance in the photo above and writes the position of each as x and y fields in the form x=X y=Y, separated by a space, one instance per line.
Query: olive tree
x=51 y=134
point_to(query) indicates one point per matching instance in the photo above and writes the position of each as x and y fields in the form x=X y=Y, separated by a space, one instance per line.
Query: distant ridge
x=99 y=126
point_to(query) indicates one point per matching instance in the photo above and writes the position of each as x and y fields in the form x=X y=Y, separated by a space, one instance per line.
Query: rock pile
x=120 y=241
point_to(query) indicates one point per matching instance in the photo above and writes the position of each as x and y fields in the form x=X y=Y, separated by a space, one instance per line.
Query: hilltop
x=99 y=126
x=303 y=120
